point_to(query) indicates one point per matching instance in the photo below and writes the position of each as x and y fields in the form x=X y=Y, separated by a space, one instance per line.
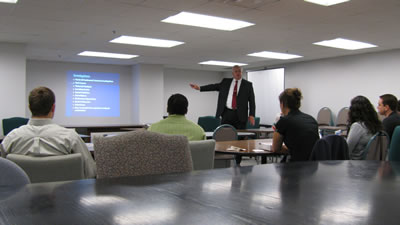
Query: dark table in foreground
x=345 y=192
x=249 y=146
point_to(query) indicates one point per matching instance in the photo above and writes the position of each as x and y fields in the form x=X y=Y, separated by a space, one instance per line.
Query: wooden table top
x=329 y=192
x=259 y=130
x=332 y=128
x=239 y=133
x=247 y=145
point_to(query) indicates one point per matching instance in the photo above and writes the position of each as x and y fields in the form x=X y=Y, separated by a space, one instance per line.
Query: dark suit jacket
x=244 y=98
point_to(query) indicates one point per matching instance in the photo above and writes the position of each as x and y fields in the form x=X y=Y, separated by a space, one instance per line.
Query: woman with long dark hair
x=363 y=124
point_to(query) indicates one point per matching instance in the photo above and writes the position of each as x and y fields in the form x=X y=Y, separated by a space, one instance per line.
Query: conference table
x=260 y=132
x=209 y=134
x=327 y=192
x=251 y=147
x=326 y=130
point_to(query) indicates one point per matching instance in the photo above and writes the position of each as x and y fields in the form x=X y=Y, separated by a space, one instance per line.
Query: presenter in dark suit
x=235 y=97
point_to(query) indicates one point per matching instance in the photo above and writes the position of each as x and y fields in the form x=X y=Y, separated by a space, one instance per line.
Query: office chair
x=342 y=117
x=225 y=132
x=209 y=123
x=10 y=124
x=377 y=147
x=11 y=174
x=331 y=147
x=324 y=117
x=202 y=154
x=50 y=168
x=394 y=149
x=142 y=152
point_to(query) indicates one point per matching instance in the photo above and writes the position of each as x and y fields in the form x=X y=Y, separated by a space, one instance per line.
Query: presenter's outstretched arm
x=195 y=86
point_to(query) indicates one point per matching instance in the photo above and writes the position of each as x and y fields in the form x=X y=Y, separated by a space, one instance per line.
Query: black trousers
x=230 y=116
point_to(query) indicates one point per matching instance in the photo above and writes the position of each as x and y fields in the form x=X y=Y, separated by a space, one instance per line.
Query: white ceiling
x=58 y=30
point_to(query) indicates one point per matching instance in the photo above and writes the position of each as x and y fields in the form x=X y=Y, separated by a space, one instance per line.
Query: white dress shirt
x=41 y=137
x=230 y=94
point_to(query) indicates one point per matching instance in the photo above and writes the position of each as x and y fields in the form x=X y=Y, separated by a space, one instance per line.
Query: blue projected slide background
x=92 y=94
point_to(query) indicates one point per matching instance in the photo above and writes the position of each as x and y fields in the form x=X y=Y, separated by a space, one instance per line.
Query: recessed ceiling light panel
x=326 y=2
x=274 y=55
x=107 y=55
x=152 y=42
x=9 y=1
x=345 y=44
x=221 y=63
x=212 y=22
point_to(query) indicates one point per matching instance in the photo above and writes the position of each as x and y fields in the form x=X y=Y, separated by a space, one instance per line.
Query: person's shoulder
x=357 y=125
x=18 y=130
x=283 y=120
x=156 y=125
x=17 y=133
x=309 y=117
x=396 y=116
x=195 y=125
x=58 y=129
x=247 y=82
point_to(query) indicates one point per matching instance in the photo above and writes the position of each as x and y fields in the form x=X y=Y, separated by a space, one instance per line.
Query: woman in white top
x=364 y=123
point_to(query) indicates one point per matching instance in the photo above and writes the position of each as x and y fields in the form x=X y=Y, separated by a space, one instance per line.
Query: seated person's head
x=387 y=104
x=290 y=99
x=42 y=102
x=361 y=110
x=177 y=104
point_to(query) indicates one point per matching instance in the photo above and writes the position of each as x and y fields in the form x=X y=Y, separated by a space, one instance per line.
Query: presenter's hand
x=252 y=120
x=195 y=86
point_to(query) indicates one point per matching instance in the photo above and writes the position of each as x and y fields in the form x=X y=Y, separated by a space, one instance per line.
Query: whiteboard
x=268 y=85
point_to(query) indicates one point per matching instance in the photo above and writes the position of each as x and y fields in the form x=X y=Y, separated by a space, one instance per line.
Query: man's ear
x=53 y=108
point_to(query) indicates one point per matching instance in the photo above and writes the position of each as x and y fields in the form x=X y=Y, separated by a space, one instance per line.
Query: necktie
x=234 y=96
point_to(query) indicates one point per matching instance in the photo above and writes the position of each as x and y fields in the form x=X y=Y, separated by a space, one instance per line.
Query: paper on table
x=266 y=145
x=261 y=150
x=234 y=148
x=258 y=150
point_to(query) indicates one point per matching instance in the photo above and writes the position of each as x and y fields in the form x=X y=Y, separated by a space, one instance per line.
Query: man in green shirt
x=176 y=122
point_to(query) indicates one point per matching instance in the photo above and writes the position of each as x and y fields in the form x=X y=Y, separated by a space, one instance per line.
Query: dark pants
x=230 y=116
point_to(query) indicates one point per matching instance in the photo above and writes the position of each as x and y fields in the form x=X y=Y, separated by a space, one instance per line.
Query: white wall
x=54 y=76
x=148 y=92
x=334 y=82
x=200 y=103
x=12 y=85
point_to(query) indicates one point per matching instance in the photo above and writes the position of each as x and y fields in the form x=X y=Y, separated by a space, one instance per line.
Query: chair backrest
x=256 y=124
x=141 y=153
x=209 y=123
x=225 y=132
x=50 y=168
x=10 y=124
x=331 y=147
x=377 y=147
x=342 y=117
x=394 y=149
x=202 y=154
x=324 y=117
x=11 y=174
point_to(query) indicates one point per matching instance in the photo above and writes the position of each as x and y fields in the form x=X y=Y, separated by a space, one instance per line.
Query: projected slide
x=92 y=94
